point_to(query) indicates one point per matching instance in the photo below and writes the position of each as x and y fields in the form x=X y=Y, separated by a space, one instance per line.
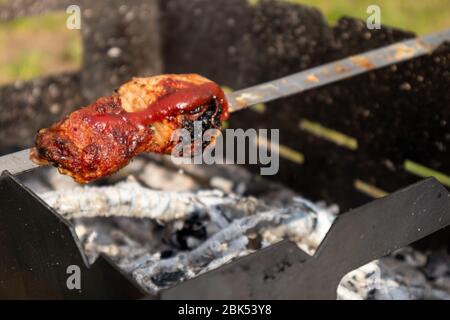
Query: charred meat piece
x=141 y=116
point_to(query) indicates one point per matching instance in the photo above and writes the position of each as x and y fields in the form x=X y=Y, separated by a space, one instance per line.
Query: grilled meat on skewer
x=141 y=116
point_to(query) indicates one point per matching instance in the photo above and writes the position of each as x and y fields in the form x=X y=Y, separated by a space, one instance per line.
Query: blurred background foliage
x=30 y=47
x=420 y=16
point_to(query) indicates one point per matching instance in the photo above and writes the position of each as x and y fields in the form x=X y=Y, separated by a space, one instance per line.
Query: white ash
x=231 y=222
x=161 y=243
x=230 y=242
x=400 y=276
x=129 y=199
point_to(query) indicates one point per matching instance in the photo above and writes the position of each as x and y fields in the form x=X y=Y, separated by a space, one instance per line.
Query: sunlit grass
x=36 y=46
x=48 y=22
x=422 y=171
x=25 y=66
x=419 y=16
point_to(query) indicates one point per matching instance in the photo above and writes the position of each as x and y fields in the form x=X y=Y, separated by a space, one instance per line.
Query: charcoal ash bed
x=163 y=237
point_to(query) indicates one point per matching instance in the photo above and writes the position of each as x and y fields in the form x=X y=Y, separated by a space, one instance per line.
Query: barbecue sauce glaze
x=99 y=139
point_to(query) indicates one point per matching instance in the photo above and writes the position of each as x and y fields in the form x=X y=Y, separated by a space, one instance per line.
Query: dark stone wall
x=25 y=107
x=239 y=45
x=121 y=39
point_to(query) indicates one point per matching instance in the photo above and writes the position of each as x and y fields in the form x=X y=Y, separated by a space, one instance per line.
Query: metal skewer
x=19 y=162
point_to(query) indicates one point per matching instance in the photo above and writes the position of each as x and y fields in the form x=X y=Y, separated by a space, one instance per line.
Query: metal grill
x=371 y=136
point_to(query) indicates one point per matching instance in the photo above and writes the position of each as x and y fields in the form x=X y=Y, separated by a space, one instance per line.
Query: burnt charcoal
x=192 y=228
x=167 y=254
x=371 y=294
x=254 y=241
x=167 y=278
x=210 y=119
x=437 y=264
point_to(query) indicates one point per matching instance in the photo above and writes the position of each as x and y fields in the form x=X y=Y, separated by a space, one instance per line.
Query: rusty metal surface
x=394 y=114
x=336 y=71
x=36 y=248
x=284 y=271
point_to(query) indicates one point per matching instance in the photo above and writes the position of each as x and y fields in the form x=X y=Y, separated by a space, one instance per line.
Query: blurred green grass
x=35 y=46
x=26 y=66
x=46 y=22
